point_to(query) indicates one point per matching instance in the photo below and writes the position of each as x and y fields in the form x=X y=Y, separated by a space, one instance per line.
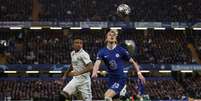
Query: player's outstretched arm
x=96 y=68
x=137 y=68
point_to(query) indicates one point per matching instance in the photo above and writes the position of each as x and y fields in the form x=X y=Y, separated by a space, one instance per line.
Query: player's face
x=111 y=36
x=77 y=44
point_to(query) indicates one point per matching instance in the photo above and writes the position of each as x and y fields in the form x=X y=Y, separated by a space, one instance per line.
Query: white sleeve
x=85 y=57
x=71 y=54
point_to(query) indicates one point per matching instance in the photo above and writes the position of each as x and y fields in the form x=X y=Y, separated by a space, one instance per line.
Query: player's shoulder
x=122 y=49
x=72 y=52
x=119 y=47
x=102 y=50
x=83 y=52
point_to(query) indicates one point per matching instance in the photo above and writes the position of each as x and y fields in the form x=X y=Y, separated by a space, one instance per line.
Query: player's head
x=77 y=43
x=111 y=36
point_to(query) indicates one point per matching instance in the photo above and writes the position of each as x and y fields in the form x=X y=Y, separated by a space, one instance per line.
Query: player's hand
x=73 y=73
x=94 y=75
x=141 y=77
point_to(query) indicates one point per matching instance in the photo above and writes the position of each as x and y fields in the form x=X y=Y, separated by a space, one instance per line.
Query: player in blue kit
x=114 y=57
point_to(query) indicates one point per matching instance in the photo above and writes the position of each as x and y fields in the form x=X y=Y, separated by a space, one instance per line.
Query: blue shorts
x=116 y=84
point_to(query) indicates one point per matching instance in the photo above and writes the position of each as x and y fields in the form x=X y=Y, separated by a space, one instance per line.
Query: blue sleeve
x=126 y=55
x=99 y=55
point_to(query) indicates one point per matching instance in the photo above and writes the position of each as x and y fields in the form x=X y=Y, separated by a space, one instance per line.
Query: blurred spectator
x=15 y=10
x=104 y=10
x=192 y=86
x=54 y=46
x=46 y=88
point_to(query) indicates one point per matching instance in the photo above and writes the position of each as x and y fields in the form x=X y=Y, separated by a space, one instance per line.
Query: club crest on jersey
x=117 y=55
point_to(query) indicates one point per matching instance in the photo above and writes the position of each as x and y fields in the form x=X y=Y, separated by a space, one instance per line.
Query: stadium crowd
x=154 y=10
x=164 y=89
x=53 y=47
x=194 y=89
x=96 y=10
x=27 y=89
x=156 y=88
x=196 y=40
x=15 y=10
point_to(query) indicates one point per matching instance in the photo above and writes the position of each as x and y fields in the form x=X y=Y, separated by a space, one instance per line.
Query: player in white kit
x=81 y=66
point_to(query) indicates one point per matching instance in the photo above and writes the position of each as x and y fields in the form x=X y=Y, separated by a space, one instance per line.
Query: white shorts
x=82 y=85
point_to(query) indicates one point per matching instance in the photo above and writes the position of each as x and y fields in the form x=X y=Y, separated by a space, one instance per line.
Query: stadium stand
x=15 y=10
x=164 y=89
x=84 y=10
x=156 y=48
x=157 y=88
x=53 y=47
x=196 y=41
x=192 y=85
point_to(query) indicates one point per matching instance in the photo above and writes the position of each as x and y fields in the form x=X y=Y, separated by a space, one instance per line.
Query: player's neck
x=77 y=50
x=111 y=45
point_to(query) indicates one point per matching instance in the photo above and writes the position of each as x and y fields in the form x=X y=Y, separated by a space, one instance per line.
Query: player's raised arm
x=127 y=57
x=97 y=64
x=96 y=68
x=137 y=68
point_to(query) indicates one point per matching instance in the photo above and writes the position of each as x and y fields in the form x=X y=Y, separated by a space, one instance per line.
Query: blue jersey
x=115 y=61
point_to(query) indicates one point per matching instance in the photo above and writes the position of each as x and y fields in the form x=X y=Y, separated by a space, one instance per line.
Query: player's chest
x=111 y=55
x=76 y=58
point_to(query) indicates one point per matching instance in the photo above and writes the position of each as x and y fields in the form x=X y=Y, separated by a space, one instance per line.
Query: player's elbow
x=131 y=61
x=90 y=67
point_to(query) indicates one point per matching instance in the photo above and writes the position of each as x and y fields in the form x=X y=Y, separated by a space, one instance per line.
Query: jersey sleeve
x=126 y=55
x=99 y=55
x=71 y=54
x=85 y=57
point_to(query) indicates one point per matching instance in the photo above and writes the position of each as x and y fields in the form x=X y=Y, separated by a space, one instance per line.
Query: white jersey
x=79 y=60
x=81 y=82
